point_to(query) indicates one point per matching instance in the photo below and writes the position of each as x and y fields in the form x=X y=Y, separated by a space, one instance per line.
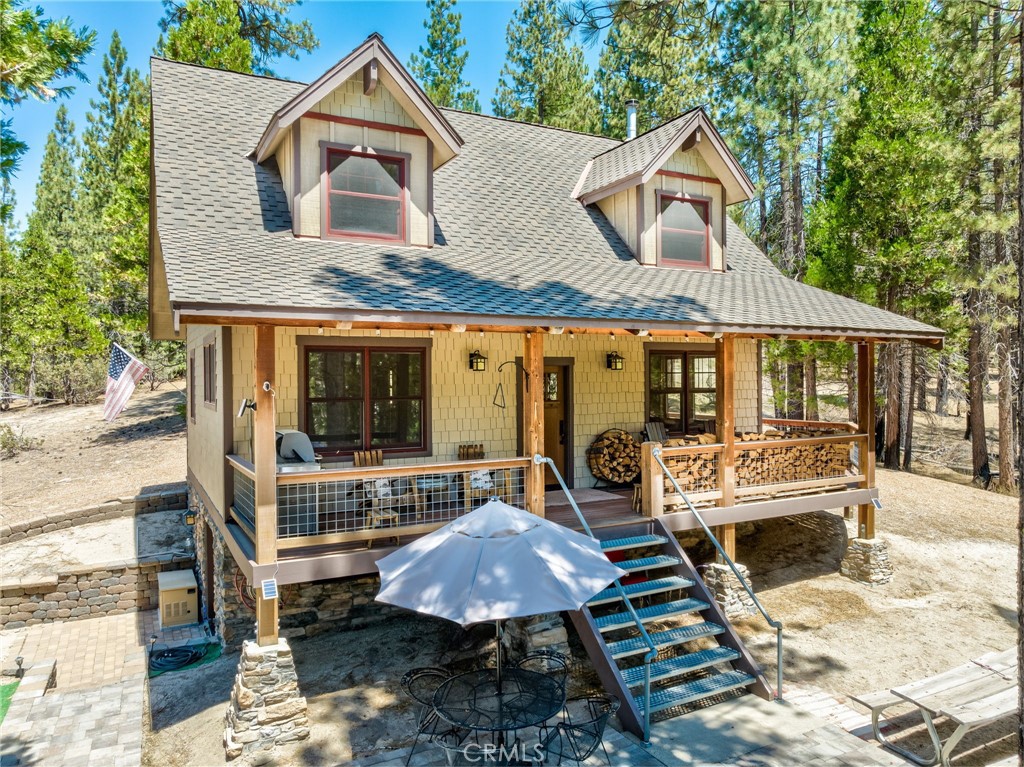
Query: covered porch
x=303 y=526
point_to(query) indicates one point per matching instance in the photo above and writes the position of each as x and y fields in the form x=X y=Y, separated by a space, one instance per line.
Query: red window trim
x=693 y=200
x=403 y=196
x=365 y=351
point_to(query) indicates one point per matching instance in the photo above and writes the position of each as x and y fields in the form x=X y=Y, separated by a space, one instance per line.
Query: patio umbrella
x=495 y=563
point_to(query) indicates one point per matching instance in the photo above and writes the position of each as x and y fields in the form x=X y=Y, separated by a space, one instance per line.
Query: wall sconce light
x=477 y=362
x=190 y=517
x=615 y=361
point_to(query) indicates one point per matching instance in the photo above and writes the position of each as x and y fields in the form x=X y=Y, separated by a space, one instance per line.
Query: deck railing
x=348 y=505
x=776 y=463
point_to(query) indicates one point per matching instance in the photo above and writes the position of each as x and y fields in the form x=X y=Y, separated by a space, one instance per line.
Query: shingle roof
x=509 y=240
x=631 y=157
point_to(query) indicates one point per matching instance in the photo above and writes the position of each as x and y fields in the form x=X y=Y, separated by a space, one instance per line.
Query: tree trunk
x=811 y=387
x=795 y=390
x=776 y=374
x=977 y=362
x=921 y=379
x=1020 y=385
x=907 y=379
x=31 y=379
x=1007 y=477
x=891 y=443
x=942 y=386
x=852 y=405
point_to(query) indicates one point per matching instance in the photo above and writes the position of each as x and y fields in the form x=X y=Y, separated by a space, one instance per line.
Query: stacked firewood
x=792 y=463
x=697 y=472
x=615 y=457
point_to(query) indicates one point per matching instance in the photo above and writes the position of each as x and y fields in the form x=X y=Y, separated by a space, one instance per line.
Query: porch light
x=477 y=362
x=190 y=518
x=615 y=361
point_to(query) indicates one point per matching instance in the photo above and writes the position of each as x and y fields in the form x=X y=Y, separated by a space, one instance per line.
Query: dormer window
x=684 y=230
x=365 y=194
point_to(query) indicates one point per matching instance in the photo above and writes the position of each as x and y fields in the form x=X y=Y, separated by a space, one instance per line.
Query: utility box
x=179 y=598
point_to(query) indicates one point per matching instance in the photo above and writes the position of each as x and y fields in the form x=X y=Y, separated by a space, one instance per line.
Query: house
x=345 y=259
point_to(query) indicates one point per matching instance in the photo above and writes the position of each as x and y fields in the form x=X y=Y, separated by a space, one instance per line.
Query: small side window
x=210 y=373
x=684 y=235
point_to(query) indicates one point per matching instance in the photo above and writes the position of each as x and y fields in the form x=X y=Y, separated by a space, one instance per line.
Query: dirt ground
x=84 y=461
x=952 y=599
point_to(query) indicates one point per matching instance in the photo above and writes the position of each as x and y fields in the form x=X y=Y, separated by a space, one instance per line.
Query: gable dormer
x=357 y=150
x=666 y=192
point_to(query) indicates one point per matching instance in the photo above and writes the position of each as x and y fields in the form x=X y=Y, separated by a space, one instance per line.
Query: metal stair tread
x=653 y=612
x=649 y=563
x=632 y=542
x=626 y=647
x=641 y=588
x=688 y=692
x=682 y=664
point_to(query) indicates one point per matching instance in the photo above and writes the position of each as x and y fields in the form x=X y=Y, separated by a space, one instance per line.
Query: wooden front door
x=557 y=423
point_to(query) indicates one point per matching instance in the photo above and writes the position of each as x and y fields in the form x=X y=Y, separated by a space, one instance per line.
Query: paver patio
x=93 y=716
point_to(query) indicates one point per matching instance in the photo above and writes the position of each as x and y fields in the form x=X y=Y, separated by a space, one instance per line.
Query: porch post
x=533 y=418
x=265 y=463
x=725 y=426
x=866 y=424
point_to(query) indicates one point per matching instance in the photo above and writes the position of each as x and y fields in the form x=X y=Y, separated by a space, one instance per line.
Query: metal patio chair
x=577 y=739
x=420 y=685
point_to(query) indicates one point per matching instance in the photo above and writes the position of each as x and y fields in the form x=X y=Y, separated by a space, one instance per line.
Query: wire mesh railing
x=697 y=470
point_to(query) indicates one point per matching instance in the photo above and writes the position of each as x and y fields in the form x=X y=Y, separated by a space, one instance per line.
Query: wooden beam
x=533 y=418
x=866 y=424
x=725 y=429
x=653 y=479
x=265 y=466
x=370 y=77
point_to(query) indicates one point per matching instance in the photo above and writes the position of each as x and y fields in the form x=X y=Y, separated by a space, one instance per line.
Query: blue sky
x=340 y=25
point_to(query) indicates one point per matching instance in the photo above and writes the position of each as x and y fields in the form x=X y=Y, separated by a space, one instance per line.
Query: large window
x=365 y=195
x=357 y=398
x=684 y=230
x=681 y=390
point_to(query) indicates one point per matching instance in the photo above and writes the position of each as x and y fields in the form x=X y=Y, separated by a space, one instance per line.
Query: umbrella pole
x=497 y=633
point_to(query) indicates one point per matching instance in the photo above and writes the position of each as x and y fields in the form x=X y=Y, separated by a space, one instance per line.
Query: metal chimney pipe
x=631 y=106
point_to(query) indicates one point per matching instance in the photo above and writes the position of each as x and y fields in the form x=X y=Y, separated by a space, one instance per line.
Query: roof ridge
x=648 y=132
x=532 y=125
x=166 y=60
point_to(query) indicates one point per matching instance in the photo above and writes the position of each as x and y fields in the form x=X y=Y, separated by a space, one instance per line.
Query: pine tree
x=56 y=189
x=264 y=24
x=117 y=121
x=438 y=67
x=884 y=227
x=544 y=80
x=667 y=72
x=34 y=52
x=208 y=32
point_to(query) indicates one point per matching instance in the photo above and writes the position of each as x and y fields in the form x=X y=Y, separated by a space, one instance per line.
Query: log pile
x=793 y=463
x=614 y=457
x=697 y=472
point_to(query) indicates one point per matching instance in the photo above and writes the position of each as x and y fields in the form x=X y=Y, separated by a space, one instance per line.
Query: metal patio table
x=472 y=700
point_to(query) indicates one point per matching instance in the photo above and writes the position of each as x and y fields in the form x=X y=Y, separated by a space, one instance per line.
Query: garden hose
x=171 y=658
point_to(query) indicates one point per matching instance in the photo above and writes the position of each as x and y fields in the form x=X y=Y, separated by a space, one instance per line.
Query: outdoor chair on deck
x=482 y=484
x=385 y=495
x=582 y=730
x=655 y=431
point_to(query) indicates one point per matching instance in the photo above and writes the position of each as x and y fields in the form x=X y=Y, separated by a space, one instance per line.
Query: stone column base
x=538 y=632
x=266 y=707
x=867 y=561
x=727 y=590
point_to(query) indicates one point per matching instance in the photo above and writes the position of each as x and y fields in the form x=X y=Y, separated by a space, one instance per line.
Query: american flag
x=123 y=373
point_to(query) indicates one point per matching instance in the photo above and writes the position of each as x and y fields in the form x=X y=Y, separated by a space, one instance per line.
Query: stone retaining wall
x=105 y=589
x=171 y=499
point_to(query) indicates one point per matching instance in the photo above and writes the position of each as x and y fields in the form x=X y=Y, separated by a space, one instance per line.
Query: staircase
x=700 y=657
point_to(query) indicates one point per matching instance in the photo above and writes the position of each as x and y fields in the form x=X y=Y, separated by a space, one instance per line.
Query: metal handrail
x=652 y=651
x=777 y=625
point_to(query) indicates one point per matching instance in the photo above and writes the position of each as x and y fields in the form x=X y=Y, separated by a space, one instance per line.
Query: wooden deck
x=598 y=514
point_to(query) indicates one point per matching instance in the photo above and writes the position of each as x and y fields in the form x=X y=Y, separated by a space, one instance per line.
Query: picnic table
x=971 y=695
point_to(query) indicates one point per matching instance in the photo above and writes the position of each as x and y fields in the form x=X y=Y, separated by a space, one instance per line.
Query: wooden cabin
x=434 y=297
